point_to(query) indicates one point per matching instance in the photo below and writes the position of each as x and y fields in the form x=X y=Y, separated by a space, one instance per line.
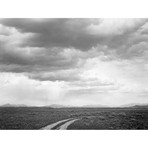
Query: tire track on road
x=65 y=125
x=49 y=127
x=60 y=125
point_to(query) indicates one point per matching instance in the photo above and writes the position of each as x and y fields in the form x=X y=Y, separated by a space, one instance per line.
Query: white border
x=73 y=139
x=73 y=9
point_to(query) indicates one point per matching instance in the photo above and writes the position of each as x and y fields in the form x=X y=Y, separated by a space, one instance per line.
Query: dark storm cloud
x=43 y=50
x=67 y=33
x=55 y=32
x=19 y=62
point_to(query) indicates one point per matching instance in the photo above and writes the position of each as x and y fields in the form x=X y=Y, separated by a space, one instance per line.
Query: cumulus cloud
x=18 y=88
x=73 y=61
x=115 y=26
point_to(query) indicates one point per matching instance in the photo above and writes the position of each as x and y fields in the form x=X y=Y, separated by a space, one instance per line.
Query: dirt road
x=60 y=125
x=65 y=125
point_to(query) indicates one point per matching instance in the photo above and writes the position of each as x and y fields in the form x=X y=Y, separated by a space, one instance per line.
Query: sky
x=73 y=61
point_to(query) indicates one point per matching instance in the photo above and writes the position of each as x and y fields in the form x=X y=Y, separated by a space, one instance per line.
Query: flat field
x=89 y=118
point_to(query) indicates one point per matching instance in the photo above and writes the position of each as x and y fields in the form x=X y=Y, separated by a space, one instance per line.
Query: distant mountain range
x=136 y=105
x=84 y=106
x=57 y=106
x=23 y=105
x=132 y=105
x=94 y=106
x=13 y=105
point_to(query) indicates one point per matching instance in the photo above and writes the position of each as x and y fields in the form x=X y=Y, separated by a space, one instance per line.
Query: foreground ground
x=89 y=118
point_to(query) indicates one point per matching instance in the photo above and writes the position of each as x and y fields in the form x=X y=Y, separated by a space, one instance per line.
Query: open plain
x=83 y=118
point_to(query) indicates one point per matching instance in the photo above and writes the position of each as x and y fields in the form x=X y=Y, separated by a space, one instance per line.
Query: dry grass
x=90 y=118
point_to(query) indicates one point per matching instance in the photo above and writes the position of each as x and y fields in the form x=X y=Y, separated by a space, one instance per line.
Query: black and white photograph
x=73 y=73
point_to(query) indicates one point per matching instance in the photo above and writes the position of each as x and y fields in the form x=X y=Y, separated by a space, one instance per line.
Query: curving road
x=60 y=125
x=65 y=125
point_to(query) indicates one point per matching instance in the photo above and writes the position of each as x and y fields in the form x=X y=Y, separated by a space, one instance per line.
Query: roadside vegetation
x=89 y=118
